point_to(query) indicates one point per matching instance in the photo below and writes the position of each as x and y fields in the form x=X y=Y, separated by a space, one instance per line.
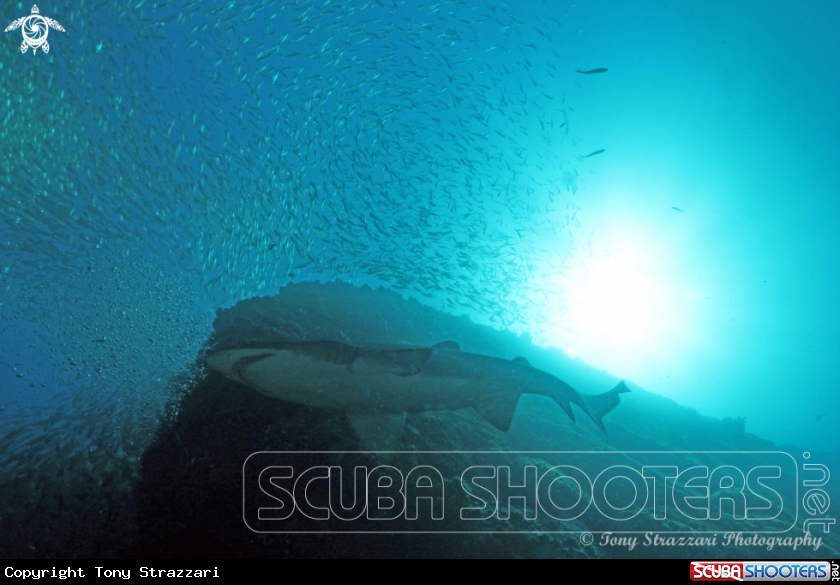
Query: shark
x=376 y=386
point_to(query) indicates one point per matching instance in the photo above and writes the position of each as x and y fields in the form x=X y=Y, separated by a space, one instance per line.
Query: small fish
x=677 y=209
x=593 y=153
x=271 y=247
x=598 y=70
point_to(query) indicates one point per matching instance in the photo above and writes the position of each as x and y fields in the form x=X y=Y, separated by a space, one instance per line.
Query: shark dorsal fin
x=499 y=412
x=450 y=345
x=521 y=360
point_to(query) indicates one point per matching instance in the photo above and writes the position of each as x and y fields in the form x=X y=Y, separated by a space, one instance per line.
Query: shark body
x=376 y=385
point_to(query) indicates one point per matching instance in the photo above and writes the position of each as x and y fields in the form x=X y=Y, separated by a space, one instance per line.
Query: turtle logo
x=35 y=29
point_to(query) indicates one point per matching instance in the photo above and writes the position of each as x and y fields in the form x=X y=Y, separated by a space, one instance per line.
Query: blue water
x=165 y=161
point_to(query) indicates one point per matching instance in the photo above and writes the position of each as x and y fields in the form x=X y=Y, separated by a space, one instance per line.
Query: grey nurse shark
x=377 y=385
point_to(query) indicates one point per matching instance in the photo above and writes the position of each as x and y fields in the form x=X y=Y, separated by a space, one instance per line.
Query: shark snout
x=221 y=361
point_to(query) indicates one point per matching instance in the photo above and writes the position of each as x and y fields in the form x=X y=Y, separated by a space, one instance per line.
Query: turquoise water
x=672 y=220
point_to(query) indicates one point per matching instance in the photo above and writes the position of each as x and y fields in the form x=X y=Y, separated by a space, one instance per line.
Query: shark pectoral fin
x=378 y=430
x=450 y=345
x=567 y=408
x=499 y=411
x=400 y=362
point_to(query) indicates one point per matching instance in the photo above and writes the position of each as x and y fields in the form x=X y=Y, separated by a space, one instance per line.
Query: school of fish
x=167 y=159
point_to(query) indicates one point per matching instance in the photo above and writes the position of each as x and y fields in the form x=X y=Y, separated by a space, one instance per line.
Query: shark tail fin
x=596 y=406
